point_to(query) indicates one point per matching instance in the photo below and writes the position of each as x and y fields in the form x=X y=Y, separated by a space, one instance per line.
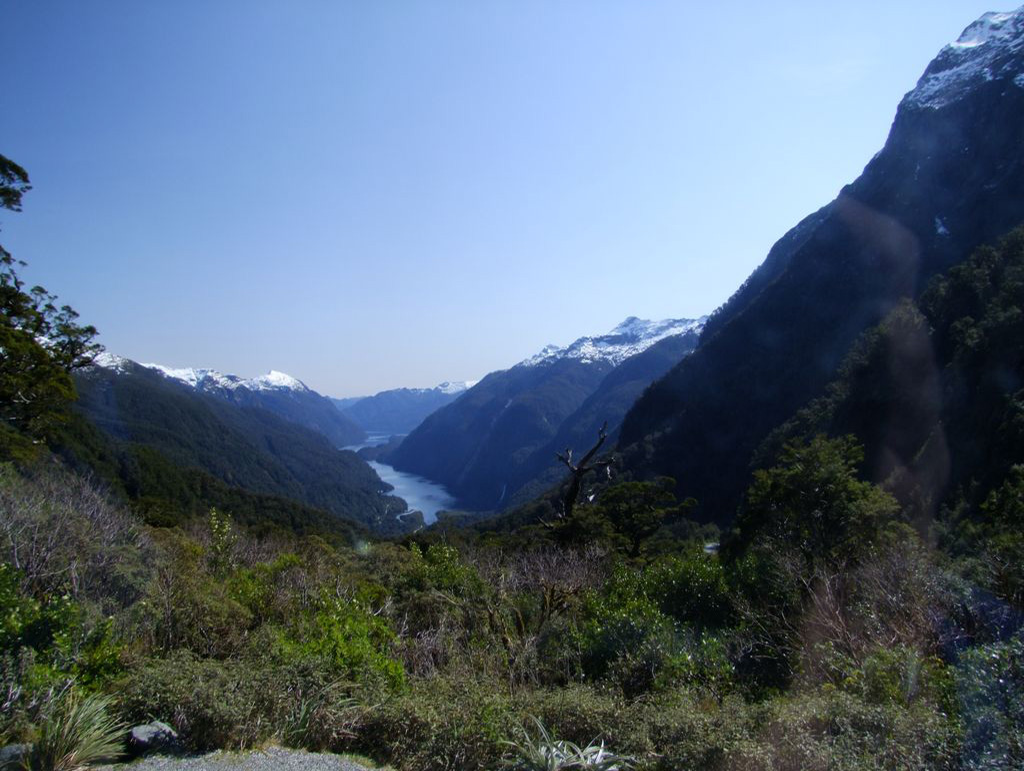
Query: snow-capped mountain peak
x=193 y=377
x=629 y=338
x=204 y=379
x=990 y=27
x=989 y=49
x=275 y=379
x=111 y=361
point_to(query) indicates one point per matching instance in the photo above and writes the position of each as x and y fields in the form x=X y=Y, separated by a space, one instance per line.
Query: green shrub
x=688 y=730
x=185 y=607
x=263 y=588
x=833 y=730
x=624 y=633
x=690 y=589
x=439 y=724
x=990 y=687
x=580 y=713
x=212 y=704
x=440 y=567
x=244 y=702
x=44 y=644
x=900 y=675
x=352 y=642
x=703 y=662
x=46 y=626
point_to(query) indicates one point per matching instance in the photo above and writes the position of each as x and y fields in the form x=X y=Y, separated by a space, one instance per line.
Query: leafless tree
x=577 y=471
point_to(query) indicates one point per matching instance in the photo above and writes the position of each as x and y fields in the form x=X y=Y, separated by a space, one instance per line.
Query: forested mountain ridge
x=607 y=405
x=950 y=177
x=281 y=394
x=500 y=436
x=934 y=392
x=246 y=447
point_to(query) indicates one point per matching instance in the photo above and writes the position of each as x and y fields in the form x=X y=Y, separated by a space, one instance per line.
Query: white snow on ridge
x=449 y=387
x=629 y=338
x=112 y=361
x=985 y=51
x=457 y=387
x=275 y=379
x=991 y=26
x=202 y=378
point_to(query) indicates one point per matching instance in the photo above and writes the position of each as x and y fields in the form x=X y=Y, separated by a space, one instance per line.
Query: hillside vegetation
x=835 y=629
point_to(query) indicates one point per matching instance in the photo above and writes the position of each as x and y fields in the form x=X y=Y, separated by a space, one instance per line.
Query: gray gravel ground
x=270 y=759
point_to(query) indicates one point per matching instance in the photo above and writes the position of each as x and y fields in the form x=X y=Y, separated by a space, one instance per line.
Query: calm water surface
x=421 y=494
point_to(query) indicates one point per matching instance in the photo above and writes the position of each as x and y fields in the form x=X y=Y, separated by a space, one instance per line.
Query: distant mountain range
x=496 y=443
x=270 y=435
x=281 y=394
x=400 y=410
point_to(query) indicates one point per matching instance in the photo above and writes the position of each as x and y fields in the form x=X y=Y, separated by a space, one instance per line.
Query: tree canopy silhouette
x=41 y=342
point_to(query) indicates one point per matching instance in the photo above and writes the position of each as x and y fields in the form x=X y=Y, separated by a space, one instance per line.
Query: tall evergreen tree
x=40 y=344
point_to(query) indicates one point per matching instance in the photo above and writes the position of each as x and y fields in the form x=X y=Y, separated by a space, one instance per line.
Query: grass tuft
x=77 y=731
x=543 y=753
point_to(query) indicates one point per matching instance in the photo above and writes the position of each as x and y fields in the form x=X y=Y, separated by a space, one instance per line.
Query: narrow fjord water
x=421 y=494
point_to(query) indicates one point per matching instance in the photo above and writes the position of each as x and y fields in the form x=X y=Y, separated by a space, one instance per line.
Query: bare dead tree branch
x=580 y=470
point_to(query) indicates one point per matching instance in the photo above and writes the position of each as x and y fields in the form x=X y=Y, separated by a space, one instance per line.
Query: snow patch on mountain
x=112 y=362
x=455 y=387
x=987 y=50
x=629 y=338
x=449 y=387
x=275 y=380
x=203 y=379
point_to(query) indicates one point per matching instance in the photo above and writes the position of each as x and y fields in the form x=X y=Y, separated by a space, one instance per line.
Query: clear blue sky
x=377 y=194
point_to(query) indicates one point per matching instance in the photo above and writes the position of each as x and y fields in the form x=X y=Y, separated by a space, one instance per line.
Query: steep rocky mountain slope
x=950 y=177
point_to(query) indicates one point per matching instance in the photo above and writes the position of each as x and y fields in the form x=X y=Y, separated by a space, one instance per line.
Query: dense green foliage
x=933 y=394
x=164 y=493
x=814 y=504
x=427 y=656
x=40 y=342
